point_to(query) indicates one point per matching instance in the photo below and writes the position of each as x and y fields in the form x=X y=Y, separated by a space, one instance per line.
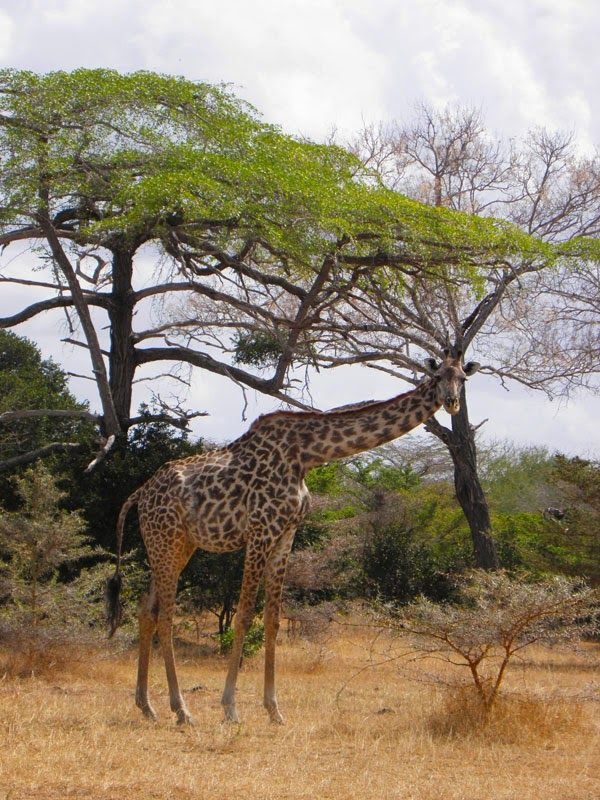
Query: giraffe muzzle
x=452 y=405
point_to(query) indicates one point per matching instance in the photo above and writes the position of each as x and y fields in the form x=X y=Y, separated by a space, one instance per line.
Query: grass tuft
x=512 y=719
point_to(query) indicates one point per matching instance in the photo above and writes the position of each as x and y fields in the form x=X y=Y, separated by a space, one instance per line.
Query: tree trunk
x=469 y=492
x=122 y=351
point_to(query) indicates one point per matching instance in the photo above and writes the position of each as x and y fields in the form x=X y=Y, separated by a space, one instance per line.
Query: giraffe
x=251 y=494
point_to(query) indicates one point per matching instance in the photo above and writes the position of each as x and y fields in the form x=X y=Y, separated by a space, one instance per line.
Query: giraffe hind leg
x=274 y=576
x=147 y=619
x=156 y=614
x=165 y=632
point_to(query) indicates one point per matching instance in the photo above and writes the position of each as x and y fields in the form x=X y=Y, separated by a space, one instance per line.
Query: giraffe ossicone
x=251 y=494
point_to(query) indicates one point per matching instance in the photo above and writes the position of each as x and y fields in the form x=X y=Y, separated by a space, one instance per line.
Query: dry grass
x=72 y=730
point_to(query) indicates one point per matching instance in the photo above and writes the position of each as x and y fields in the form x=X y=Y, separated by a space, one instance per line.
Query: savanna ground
x=355 y=728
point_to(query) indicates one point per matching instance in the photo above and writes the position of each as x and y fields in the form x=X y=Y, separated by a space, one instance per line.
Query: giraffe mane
x=348 y=411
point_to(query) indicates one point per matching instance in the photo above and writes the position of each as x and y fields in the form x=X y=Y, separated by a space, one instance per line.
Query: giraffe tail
x=112 y=592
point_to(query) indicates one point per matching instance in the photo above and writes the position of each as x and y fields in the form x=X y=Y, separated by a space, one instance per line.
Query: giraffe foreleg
x=254 y=568
x=274 y=577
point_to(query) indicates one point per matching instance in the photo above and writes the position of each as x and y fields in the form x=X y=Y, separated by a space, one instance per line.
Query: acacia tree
x=126 y=192
x=530 y=323
x=362 y=321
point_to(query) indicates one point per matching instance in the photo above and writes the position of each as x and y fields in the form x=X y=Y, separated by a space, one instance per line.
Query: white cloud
x=461 y=54
x=547 y=47
x=6 y=36
x=313 y=64
x=63 y=12
x=529 y=418
x=302 y=64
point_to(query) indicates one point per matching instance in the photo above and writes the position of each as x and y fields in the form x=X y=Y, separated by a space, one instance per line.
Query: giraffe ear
x=431 y=364
x=471 y=368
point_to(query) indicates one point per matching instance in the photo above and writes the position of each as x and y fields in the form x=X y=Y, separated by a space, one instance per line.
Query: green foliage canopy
x=131 y=155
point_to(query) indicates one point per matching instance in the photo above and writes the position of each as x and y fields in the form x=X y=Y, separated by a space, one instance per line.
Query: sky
x=315 y=66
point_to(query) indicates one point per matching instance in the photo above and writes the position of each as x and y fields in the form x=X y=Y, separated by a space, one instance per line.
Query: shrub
x=498 y=616
x=36 y=541
x=515 y=719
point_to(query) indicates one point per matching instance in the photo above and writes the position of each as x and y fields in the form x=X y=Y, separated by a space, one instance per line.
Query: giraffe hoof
x=231 y=715
x=149 y=713
x=185 y=718
x=275 y=716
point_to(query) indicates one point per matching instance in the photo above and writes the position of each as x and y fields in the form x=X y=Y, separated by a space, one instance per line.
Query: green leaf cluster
x=253 y=641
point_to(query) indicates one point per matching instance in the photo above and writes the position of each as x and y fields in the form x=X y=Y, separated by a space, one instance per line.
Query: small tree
x=100 y=494
x=498 y=617
x=212 y=582
x=35 y=542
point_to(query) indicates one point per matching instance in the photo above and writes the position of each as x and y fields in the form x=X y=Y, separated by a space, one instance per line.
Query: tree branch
x=443 y=434
x=35 y=309
x=111 y=421
x=102 y=453
x=180 y=422
x=179 y=353
x=41 y=452
x=9 y=416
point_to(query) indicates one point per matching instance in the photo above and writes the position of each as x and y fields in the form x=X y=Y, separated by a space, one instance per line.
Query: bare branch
x=32 y=413
x=28 y=458
x=35 y=309
x=102 y=453
x=38 y=284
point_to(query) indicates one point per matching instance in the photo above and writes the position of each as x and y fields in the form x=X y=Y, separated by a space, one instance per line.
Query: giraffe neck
x=327 y=436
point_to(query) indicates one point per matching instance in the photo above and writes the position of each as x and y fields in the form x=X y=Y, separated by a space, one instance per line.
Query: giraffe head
x=449 y=377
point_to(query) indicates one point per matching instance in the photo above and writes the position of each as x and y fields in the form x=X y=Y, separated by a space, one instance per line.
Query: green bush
x=397 y=567
x=253 y=642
